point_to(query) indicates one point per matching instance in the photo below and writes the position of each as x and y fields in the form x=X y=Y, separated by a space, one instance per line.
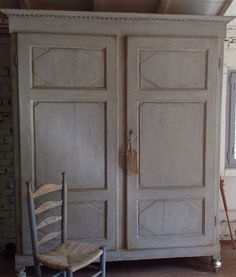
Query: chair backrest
x=34 y=211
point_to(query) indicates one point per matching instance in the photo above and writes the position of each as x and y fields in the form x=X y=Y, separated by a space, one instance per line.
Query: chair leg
x=37 y=269
x=69 y=273
x=103 y=262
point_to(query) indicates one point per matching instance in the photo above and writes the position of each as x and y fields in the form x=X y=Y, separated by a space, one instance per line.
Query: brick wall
x=7 y=199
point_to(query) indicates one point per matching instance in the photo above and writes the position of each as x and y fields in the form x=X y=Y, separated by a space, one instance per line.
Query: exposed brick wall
x=7 y=199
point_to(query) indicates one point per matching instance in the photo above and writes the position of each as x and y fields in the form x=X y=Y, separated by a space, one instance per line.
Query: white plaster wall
x=229 y=175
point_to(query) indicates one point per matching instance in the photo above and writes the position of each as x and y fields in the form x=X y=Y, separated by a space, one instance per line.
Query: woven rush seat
x=70 y=255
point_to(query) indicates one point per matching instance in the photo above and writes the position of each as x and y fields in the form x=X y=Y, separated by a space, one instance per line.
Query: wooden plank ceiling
x=200 y=7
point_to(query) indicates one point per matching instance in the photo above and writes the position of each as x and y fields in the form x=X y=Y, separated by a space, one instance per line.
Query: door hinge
x=219 y=63
x=215 y=221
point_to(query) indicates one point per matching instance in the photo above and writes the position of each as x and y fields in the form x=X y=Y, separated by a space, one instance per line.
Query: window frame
x=230 y=161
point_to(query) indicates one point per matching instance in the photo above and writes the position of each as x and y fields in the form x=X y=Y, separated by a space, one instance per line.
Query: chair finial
x=29 y=186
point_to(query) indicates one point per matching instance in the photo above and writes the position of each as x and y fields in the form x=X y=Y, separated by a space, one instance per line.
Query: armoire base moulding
x=129 y=255
x=123 y=255
x=84 y=82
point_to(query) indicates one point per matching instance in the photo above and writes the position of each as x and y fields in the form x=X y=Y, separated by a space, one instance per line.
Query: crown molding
x=113 y=17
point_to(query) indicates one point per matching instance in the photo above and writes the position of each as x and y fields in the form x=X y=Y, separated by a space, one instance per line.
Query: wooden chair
x=68 y=256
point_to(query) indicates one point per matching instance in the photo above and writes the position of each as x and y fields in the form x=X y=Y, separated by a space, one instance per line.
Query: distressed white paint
x=198 y=191
x=73 y=130
x=176 y=143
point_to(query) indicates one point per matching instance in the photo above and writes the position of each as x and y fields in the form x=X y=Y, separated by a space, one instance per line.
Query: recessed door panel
x=57 y=67
x=71 y=137
x=174 y=140
x=170 y=217
x=172 y=69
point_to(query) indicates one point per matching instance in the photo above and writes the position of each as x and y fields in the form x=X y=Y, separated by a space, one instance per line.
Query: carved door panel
x=68 y=122
x=172 y=112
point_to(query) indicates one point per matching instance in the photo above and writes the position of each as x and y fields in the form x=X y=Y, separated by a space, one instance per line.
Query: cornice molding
x=112 y=17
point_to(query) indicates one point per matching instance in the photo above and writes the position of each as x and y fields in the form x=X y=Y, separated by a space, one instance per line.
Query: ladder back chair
x=68 y=256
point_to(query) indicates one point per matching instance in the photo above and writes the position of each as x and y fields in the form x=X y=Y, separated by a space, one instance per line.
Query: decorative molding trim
x=230 y=172
x=229 y=210
x=113 y=17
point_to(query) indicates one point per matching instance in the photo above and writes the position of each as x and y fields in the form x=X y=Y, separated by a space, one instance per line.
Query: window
x=231 y=134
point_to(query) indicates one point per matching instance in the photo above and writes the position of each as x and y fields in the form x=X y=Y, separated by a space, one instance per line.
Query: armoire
x=84 y=82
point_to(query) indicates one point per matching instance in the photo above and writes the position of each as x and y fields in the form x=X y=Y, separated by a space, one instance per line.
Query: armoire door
x=68 y=122
x=171 y=110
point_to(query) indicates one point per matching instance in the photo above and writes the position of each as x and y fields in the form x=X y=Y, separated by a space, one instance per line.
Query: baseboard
x=224 y=242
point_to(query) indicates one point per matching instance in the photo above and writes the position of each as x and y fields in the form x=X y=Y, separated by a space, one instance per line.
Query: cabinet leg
x=20 y=271
x=216 y=263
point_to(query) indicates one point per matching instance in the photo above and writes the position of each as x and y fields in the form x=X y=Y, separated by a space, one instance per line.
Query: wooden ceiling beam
x=163 y=6
x=23 y=4
x=3 y=22
x=225 y=7
x=216 y=8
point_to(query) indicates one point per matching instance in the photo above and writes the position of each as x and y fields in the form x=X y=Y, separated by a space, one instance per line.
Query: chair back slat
x=49 y=237
x=47 y=206
x=40 y=214
x=48 y=220
x=46 y=188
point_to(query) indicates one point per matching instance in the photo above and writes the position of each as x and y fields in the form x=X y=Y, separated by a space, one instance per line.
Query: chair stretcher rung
x=97 y=274
x=48 y=220
x=47 y=206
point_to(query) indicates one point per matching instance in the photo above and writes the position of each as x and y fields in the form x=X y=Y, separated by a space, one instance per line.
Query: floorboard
x=181 y=267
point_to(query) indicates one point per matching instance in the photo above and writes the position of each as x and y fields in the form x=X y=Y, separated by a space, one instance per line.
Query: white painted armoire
x=85 y=81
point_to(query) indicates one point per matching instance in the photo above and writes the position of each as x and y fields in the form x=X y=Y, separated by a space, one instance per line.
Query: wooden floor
x=184 y=267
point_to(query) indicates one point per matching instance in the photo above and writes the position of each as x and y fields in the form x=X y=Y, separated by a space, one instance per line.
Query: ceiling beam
x=23 y=4
x=224 y=7
x=3 y=22
x=163 y=6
